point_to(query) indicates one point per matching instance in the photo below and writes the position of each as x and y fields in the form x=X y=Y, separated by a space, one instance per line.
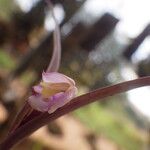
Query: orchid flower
x=54 y=91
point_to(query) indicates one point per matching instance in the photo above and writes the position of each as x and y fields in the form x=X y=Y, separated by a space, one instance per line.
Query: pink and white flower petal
x=55 y=77
x=37 y=89
x=37 y=103
x=60 y=99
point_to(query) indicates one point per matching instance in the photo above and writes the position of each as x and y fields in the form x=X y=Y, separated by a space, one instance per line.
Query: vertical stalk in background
x=56 y=56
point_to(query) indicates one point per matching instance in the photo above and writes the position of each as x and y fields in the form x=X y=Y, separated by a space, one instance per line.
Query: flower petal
x=55 y=77
x=60 y=99
x=38 y=88
x=37 y=103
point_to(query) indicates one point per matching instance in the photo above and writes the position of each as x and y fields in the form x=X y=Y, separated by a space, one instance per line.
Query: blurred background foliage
x=94 y=53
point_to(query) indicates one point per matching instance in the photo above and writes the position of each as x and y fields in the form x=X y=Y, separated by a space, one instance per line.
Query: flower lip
x=49 y=89
x=54 y=83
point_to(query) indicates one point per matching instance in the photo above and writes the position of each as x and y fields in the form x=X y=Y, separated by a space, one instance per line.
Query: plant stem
x=76 y=103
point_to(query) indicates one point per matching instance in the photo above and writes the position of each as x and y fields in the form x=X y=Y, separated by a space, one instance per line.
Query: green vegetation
x=27 y=77
x=6 y=9
x=101 y=120
x=37 y=146
x=6 y=61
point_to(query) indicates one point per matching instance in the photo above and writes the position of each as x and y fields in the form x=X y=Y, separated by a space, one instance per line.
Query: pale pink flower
x=54 y=91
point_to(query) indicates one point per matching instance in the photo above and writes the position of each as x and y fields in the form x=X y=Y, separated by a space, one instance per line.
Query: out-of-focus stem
x=76 y=103
x=56 y=56
x=24 y=112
